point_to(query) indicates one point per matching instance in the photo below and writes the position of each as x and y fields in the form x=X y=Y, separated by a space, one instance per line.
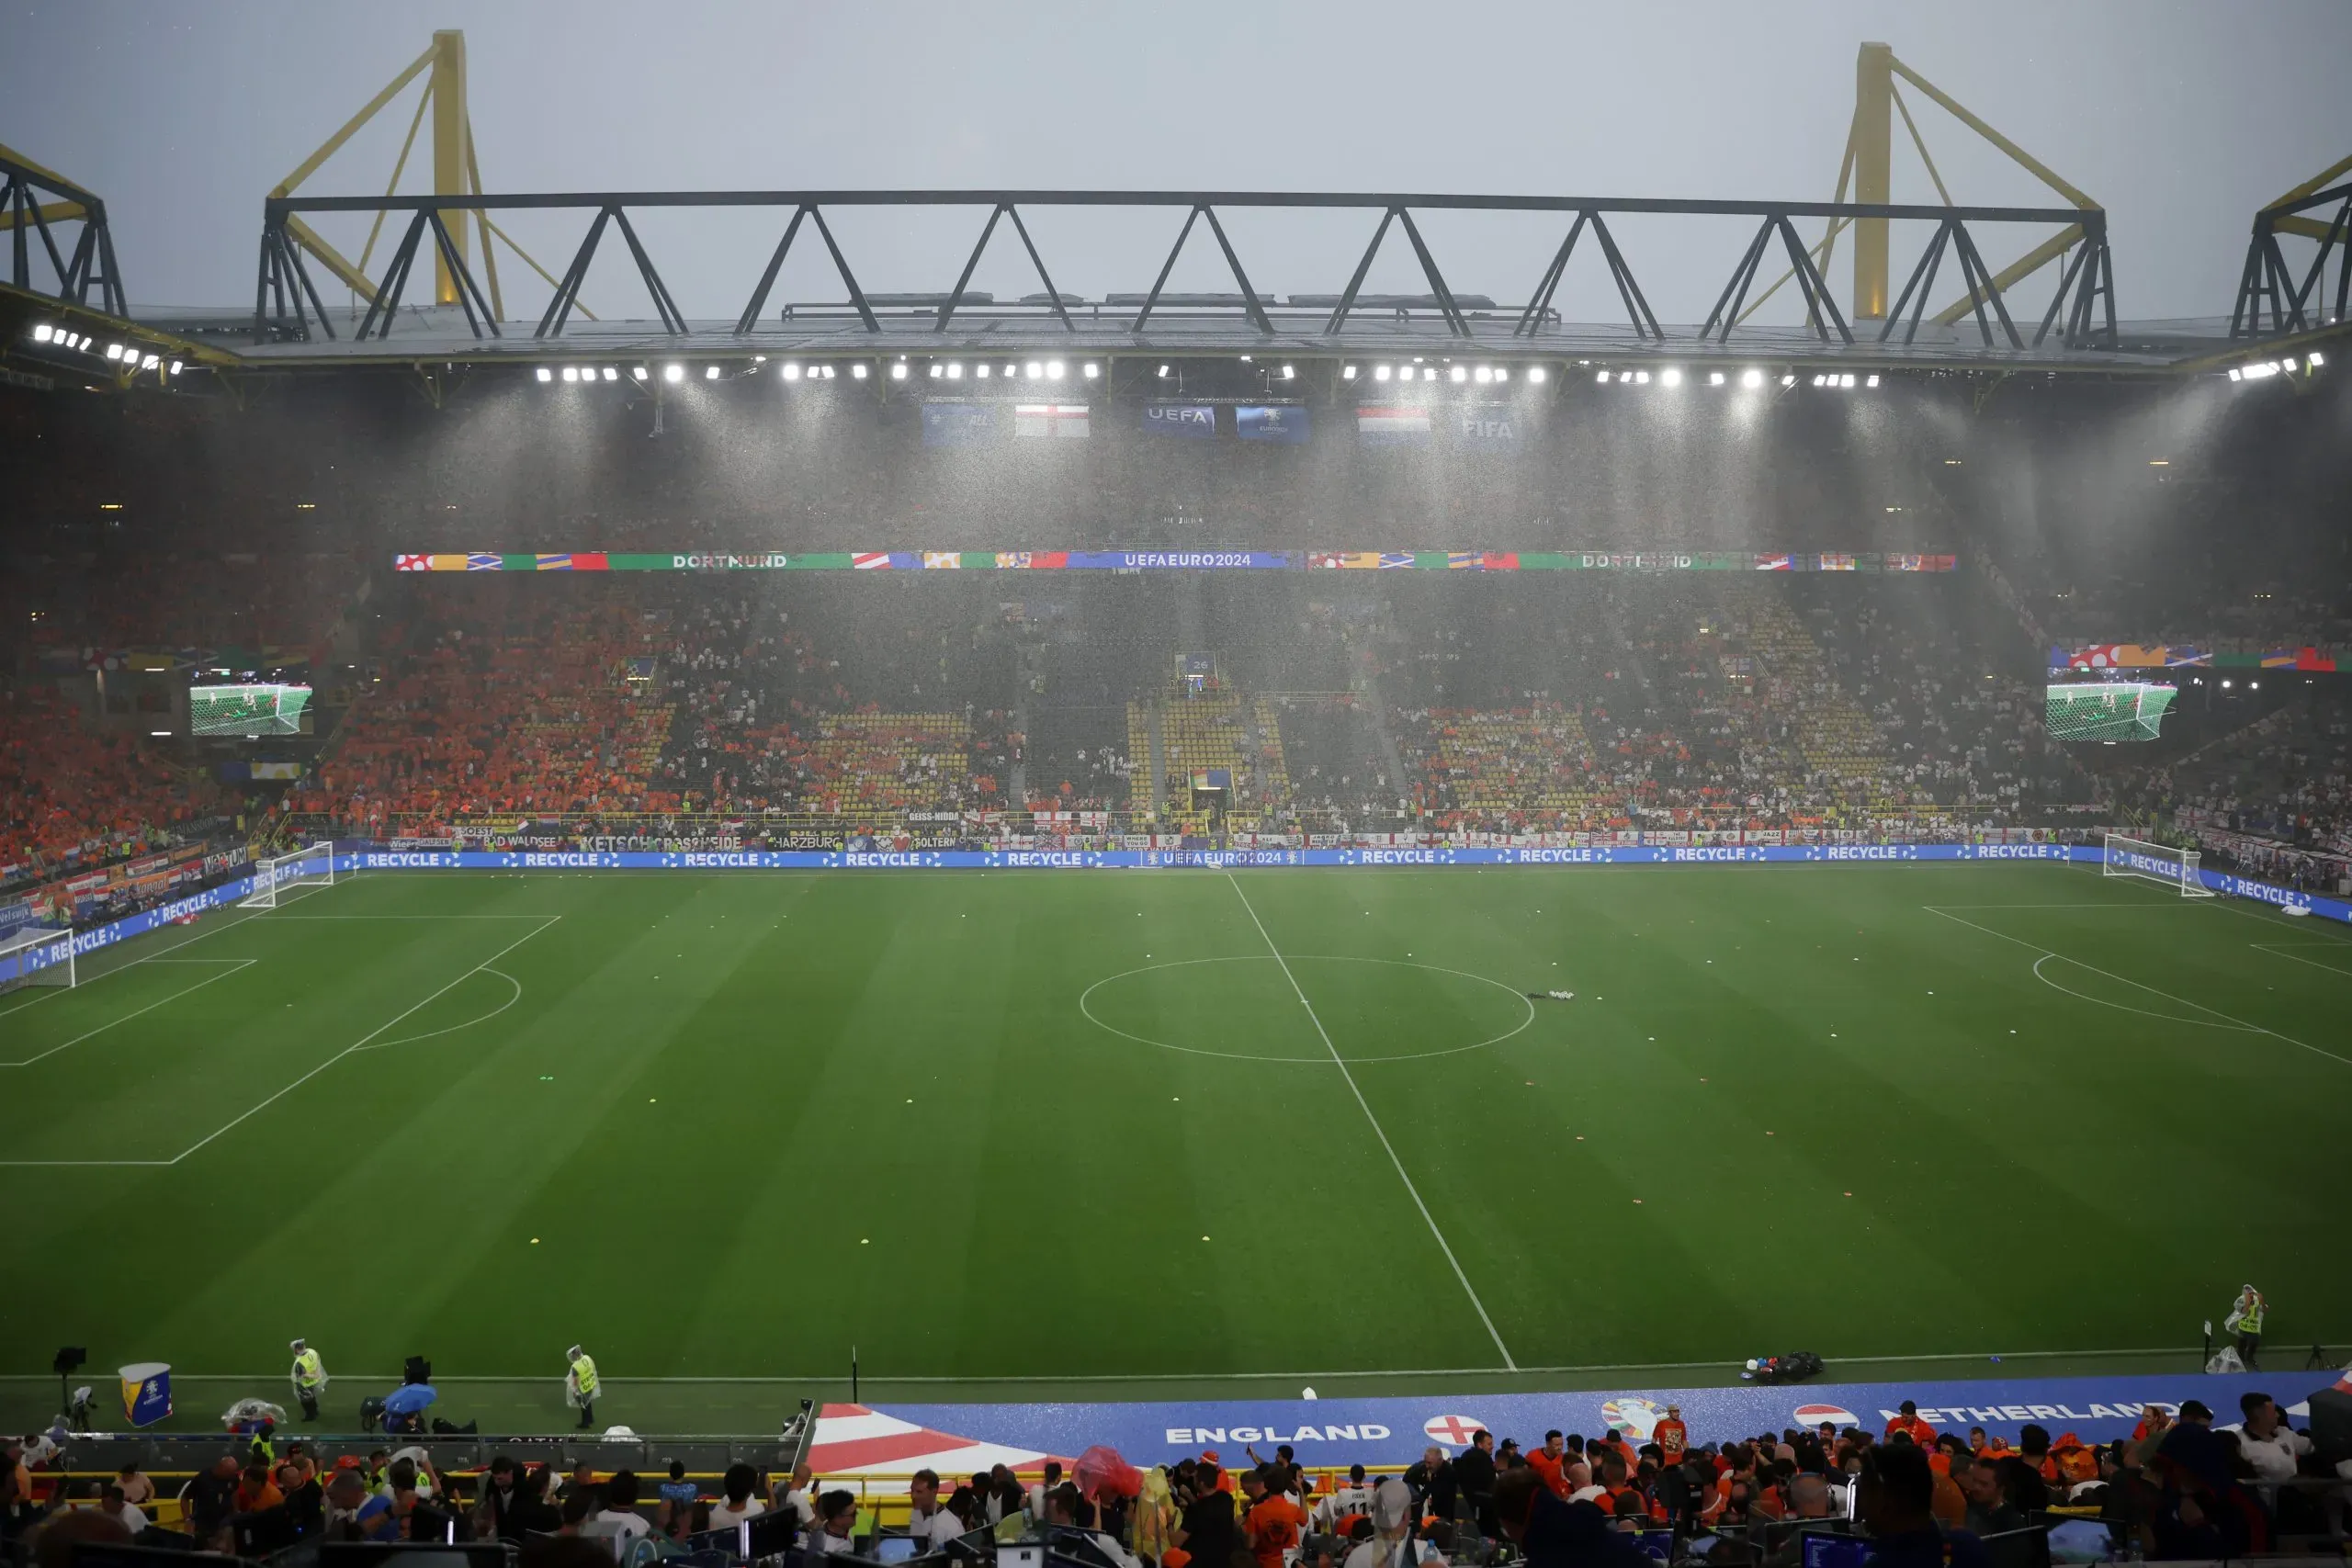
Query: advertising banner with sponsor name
x=1394 y=1432
x=1185 y=421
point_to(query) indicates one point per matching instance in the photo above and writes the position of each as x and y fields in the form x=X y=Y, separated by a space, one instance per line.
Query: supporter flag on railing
x=480 y=562
x=412 y=563
x=870 y=560
x=942 y=560
x=1775 y=563
x=1831 y=562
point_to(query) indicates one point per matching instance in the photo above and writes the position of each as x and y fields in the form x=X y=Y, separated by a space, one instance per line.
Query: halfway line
x=1340 y=1062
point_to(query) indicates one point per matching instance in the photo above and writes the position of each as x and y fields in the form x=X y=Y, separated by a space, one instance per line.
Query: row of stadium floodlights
x=1752 y=379
x=129 y=355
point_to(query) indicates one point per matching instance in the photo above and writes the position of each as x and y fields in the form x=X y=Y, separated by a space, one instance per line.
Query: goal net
x=277 y=875
x=2154 y=863
x=35 y=956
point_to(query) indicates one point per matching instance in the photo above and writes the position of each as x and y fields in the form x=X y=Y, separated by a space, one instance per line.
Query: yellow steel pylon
x=456 y=171
x=1869 y=168
x=67 y=211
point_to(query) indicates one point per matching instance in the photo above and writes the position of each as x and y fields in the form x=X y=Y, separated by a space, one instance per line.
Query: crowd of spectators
x=2180 y=1487
x=71 y=795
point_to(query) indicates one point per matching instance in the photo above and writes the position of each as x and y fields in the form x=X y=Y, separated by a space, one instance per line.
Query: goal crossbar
x=36 y=957
x=2179 y=868
x=277 y=875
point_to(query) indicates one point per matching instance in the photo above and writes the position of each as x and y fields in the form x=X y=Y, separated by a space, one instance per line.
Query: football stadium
x=1663 y=876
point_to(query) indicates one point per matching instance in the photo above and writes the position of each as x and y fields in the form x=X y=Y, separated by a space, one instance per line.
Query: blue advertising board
x=1286 y=424
x=1185 y=421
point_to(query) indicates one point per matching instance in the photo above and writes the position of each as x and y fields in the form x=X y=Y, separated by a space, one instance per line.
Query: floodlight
x=1602 y=378
x=1872 y=381
x=2236 y=374
x=981 y=371
x=1289 y=374
x=1641 y=378
x=543 y=374
x=1483 y=374
x=1501 y=374
x=1751 y=378
x=937 y=370
x=791 y=372
x=954 y=369
x=1347 y=372
x=2313 y=359
x=1671 y=376
x=826 y=371
x=611 y=374
x=1715 y=377
x=1032 y=369
x=1537 y=374
x=710 y=372
x=1053 y=370
x=1380 y=373
x=175 y=367
x=1846 y=381
x=857 y=371
x=1163 y=372
x=1792 y=381
x=1818 y=379
x=899 y=371
x=571 y=373
x=673 y=374
x=43 y=331
x=1457 y=374
x=114 y=351
x=149 y=362
x=1092 y=370
x=2287 y=363
x=637 y=372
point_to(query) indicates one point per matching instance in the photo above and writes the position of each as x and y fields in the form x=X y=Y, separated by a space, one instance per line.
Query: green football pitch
x=1099 y=1135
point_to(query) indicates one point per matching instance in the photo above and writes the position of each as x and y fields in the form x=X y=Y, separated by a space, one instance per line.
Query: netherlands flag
x=1392 y=423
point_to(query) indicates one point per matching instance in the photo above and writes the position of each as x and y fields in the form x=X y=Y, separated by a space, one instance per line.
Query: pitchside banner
x=959 y=424
x=1396 y=1431
x=358 y=855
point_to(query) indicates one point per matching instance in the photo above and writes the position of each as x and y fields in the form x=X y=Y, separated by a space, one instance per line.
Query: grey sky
x=2179 y=117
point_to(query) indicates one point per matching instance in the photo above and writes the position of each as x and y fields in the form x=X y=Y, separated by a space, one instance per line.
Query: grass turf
x=1038 y=1127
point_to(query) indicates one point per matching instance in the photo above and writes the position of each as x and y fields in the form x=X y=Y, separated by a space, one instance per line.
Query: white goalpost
x=277 y=875
x=2154 y=863
x=36 y=957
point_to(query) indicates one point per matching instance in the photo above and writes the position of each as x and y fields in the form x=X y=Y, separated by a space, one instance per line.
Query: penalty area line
x=2045 y=952
x=365 y=1039
x=238 y=967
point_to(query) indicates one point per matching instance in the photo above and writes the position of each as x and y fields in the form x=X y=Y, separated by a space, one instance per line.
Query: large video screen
x=260 y=707
x=2108 y=710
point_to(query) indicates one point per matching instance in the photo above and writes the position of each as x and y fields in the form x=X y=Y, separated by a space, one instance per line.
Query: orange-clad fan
x=1672 y=1436
x=1907 y=1421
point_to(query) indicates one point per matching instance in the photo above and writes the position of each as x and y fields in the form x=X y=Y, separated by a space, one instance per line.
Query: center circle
x=1247 y=1010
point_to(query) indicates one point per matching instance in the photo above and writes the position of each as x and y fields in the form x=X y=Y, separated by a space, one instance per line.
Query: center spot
x=1374 y=1010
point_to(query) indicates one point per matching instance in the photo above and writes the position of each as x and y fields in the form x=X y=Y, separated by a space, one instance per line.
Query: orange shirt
x=1672 y=1437
x=1549 y=1469
x=1275 y=1527
x=1921 y=1433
